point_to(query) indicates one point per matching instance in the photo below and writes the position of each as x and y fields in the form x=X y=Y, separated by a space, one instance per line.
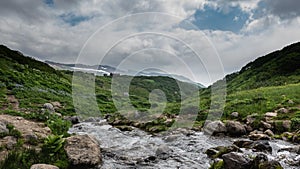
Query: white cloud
x=38 y=30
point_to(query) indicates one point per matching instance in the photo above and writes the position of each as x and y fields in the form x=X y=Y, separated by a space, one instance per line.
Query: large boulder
x=43 y=166
x=235 y=128
x=215 y=128
x=83 y=152
x=236 y=160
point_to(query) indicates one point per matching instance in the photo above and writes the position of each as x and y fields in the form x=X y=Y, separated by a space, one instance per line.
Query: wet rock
x=270 y=165
x=49 y=107
x=259 y=159
x=124 y=128
x=217 y=152
x=235 y=160
x=43 y=166
x=235 y=128
x=294 y=149
x=259 y=137
x=262 y=146
x=234 y=114
x=72 y=119
x=163 y=152
x=243 y=143
x=215 y=128
x=83 y=152
x=3 y=129
x=269 y=133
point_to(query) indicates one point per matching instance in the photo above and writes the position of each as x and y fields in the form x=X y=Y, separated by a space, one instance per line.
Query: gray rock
x=269 y=133
x=235 y=128
x=72 y=119
x=49 y=107
x=266 y=125
x=286 y=124
x=271 y=114
x=163 y=152
x=259 y=137
x=3 y=129
x=234 y=114
x=43 y=166
x=243 y=143
x=215 y=127
x=283 y=110
x=236 y=160
x=9 y=142
x=262 y=146
x=83 y=151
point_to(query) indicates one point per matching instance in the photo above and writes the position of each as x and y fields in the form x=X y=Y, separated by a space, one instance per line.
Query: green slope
x=277 y=68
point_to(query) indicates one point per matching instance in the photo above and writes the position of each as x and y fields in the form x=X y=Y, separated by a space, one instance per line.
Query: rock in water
x=215 y=128
x=83 y=152
x=43 y=166
x=235 y=160
x=235 y=128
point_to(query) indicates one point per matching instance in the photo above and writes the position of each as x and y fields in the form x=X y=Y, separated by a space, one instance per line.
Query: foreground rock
x=235 y=128
x=236 y=160
x=215 y=128
x=43 y=166
x=83 y=152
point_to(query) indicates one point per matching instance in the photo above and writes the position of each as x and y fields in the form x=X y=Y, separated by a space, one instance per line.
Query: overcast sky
x=200 y=39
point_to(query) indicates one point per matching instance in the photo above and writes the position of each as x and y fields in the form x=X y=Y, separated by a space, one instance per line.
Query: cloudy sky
x=200 y=39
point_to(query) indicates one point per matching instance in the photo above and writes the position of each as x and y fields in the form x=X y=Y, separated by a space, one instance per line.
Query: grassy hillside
x=278 y=68
x=263 y=85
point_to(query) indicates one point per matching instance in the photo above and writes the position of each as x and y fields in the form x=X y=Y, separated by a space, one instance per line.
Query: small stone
x=269 y=133
x=266 y=125
x=235 y=114
x=49 y=107
x=163 y=152
x=283 y=110
x=271 y=114
x=291 y=102
x=259 y=137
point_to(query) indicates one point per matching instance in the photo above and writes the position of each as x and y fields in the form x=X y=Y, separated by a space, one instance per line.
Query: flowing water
x=180 y=148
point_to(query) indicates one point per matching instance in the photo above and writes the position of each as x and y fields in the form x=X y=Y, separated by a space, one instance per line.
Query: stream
x=180 y=148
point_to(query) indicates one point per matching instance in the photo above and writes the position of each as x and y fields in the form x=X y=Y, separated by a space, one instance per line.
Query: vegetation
x=266 y=84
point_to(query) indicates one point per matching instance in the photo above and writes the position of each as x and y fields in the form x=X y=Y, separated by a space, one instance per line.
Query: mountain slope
x=277 y=68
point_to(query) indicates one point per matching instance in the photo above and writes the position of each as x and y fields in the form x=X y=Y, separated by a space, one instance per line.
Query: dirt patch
x=26 y=127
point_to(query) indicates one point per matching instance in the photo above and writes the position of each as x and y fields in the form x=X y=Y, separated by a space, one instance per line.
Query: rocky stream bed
x=181 y=148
